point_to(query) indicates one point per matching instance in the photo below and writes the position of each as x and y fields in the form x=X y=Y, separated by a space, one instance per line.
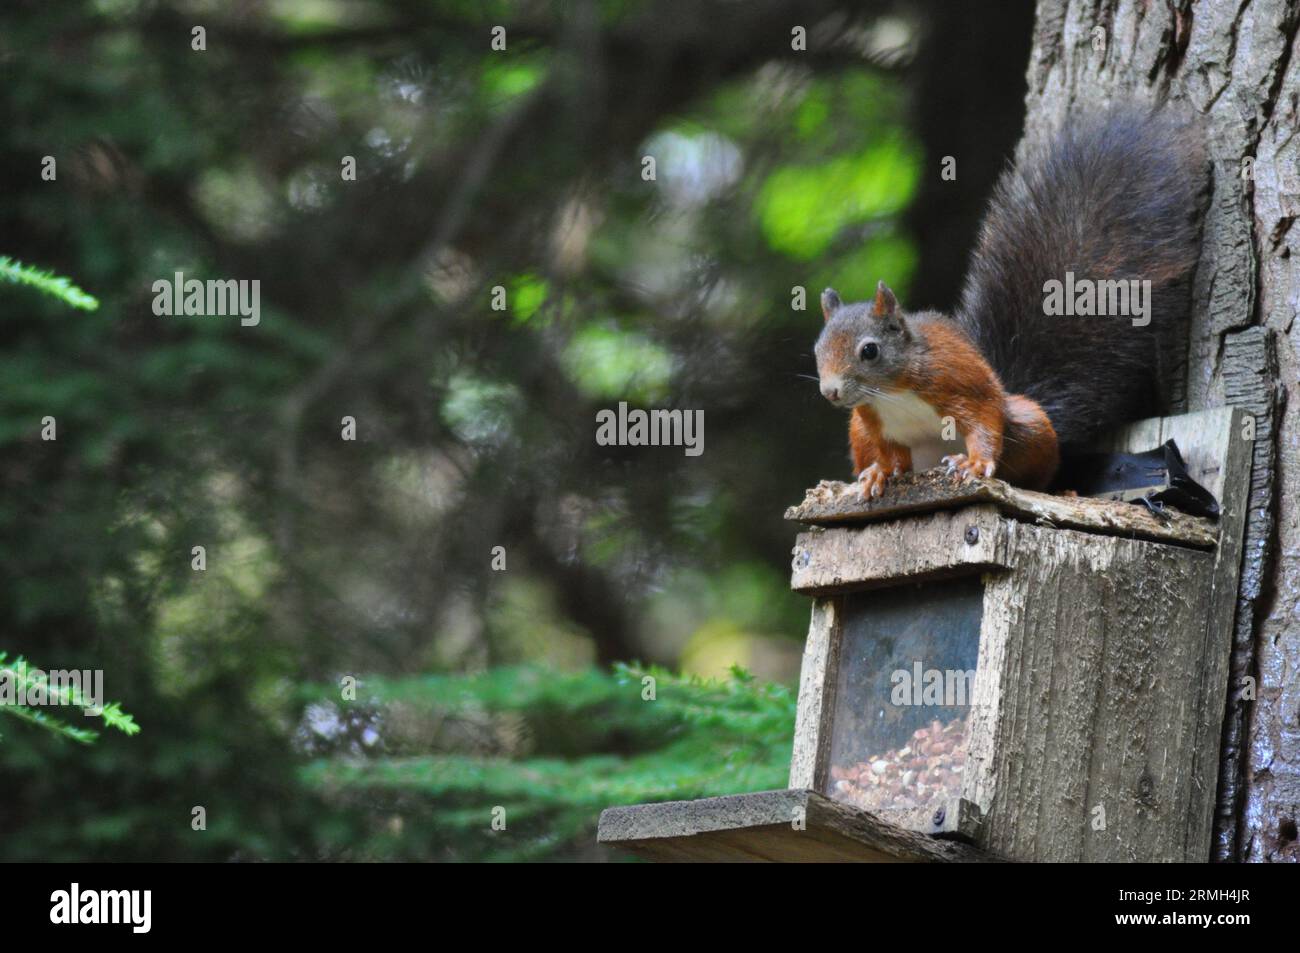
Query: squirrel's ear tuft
x=830 y=302
x=885 y=304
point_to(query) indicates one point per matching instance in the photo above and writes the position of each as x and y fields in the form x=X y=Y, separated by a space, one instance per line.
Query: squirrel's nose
x=831 y=393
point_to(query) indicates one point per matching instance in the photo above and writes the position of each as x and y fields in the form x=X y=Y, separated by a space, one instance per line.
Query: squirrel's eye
x=870 y=351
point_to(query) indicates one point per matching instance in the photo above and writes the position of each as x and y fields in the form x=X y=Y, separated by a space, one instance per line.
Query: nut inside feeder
x=903 y=689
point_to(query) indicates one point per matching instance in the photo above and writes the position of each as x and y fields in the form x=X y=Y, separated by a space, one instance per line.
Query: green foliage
x=475 y=168
x=21 y=681
x=802 y=208
x=561 y=747
x=613 y=364
x=48 y=283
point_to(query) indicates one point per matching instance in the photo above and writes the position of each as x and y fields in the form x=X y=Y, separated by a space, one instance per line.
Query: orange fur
x=1032 y=454
x=871 y=450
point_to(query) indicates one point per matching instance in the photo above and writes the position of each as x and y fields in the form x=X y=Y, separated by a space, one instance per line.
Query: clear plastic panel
x=903 y=692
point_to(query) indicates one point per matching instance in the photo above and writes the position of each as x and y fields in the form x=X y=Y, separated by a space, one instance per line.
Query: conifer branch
x=47 y=282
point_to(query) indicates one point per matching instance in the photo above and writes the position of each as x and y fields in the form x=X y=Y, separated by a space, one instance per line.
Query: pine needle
x=24 y=680
x=47 y=282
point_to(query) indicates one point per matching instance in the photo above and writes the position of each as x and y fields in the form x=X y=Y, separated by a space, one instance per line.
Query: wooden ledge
x=760 y=827
x=831 y=503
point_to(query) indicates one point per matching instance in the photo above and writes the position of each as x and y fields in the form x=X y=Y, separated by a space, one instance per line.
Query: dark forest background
x=329 y=559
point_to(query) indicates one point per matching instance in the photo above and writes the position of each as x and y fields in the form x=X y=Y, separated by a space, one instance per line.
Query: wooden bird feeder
x=992 y=673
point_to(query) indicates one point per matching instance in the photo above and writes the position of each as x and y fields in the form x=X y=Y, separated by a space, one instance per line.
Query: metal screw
x=972 y=535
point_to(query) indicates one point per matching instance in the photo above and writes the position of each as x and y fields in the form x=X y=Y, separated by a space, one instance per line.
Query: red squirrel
x=1006 y=386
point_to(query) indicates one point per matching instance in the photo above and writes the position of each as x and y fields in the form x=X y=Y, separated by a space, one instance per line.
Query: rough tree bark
x=1232 y=63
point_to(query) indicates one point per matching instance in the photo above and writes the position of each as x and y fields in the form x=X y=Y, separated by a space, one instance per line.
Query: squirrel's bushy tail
x=1115 y=196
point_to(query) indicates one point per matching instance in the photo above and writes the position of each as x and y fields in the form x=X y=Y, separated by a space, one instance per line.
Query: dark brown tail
x=1112 y=197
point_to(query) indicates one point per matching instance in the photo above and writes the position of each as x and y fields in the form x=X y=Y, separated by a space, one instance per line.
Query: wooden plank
x=1250 y=373
x=1099 y=649
x=958 y=817
x=831 y=503
x=797 y=826
x=1238 y=454
x=816 y=697
x=992 y=702
x=828 y=560
x=1218 y=456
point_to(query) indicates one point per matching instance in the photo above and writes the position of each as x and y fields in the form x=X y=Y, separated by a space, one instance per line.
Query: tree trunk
x=1232 y=64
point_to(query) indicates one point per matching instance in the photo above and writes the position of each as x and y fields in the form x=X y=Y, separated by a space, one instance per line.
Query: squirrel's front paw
x=871 y=481
x=967 y=467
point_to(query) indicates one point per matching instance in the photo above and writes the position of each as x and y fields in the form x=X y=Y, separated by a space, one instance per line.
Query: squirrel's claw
x=871 y=481
x=966 y=467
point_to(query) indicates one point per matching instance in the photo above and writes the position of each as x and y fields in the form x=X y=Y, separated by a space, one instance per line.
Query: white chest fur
x=907 y=419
